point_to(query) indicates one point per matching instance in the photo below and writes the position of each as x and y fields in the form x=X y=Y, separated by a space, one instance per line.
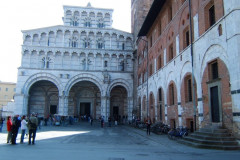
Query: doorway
x=115 y=112
x=173 y=123
x=85 y=108
x=215 y=108
x=53 y=109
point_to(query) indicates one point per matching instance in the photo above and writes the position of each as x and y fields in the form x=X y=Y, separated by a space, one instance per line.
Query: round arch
x=41 y=76
x=83 y=77
x=120 y=82
x=213 y=52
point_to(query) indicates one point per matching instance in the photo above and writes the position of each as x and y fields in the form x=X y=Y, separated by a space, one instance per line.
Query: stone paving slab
x=82 y=141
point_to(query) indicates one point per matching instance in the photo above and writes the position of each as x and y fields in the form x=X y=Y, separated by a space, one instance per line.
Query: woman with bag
x=23 y=128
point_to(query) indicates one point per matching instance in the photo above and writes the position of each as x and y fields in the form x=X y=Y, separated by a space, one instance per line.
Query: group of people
x=16 y=122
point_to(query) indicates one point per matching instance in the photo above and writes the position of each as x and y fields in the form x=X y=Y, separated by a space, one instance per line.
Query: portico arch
x=120 y=101
x=76 y=95
x=23 y=95
x=84 y=77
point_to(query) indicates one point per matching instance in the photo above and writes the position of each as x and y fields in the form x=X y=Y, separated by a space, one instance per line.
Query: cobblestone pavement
x=82 y=141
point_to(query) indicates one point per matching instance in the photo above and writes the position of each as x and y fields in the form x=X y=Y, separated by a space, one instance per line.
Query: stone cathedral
x=83 y=67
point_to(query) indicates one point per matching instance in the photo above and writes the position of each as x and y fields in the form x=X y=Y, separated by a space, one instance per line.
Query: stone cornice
x=79 y=29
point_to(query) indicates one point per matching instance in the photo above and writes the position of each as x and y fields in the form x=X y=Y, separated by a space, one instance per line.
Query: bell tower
x=139 y=11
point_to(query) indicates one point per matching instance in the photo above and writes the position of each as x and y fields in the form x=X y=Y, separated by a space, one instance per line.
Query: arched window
x=123 y=46
x=220 y=30
x=188 y=88
x=171 y=92
x=105 y=63
x=74 y=42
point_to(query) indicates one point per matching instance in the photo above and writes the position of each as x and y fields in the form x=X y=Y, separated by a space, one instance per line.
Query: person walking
x=9 y=129
x=1 y=124
x=91 y=120
x=109 y=121
x=148 y=126
x=23 y=128
x=102 y=122
x=32 y=127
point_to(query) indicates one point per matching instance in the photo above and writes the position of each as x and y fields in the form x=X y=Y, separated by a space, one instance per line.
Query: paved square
x=82 y=141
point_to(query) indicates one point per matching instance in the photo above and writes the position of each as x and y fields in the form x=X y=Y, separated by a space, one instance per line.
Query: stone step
x=211 y=142
x=214 y=138
x=209 y=146
x=212 y=134
x=211 y=138
x=213 y=130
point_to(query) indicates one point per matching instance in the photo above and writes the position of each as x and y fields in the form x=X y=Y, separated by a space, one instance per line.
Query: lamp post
x=193 y=85
x=146 y=49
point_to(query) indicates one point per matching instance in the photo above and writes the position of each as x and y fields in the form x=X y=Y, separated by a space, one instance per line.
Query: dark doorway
x=53 y=109
x=85 y=108
x=115 y=112
x=215 y=104
x=173 y=123
x=189 y=122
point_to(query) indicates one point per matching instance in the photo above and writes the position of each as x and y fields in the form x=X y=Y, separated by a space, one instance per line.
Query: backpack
x=32 y=125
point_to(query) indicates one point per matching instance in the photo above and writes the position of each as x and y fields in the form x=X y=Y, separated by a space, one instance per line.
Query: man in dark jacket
x=15 y=127
x=32 y=126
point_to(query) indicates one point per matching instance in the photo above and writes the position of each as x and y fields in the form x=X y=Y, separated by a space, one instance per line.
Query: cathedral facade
x=84 y=67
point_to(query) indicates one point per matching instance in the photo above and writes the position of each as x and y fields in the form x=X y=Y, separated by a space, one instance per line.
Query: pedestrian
x=91 y=120
x=32 y=127
x=148 y=126
x=109 y=121
x=23 y=128
x=102 y=122
x=15 y=126
x=1 y=123
x=9 y=129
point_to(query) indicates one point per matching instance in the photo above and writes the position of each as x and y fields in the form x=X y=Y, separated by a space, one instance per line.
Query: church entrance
x=53 y=109
x=85 y=109
x=115 y=112
x=84 y=99
x=43 y=98
x=119 y=104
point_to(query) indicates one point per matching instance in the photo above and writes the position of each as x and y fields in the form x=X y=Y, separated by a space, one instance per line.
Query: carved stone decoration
x=106 y=77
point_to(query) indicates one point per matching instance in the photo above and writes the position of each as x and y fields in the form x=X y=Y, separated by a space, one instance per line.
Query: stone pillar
x=25 y=105
x=177 y=45
x=94 y=63
x=107 y=108
x=166 y=118
x=63 y=104
x=130 y=108
x=110 y=43
x=86 y=63
x=166 y=107
x=165 y=56
x=104 y=106
x=179 y=114
x=117 y=63
x=60 y=105
x=20 y=106
x=196 y=29
x=156 y=109
x=200 y=113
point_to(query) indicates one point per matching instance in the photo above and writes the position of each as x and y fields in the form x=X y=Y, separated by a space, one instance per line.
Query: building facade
x=139 y=11
x=84 y=67
x=7 y=91
x=171 y=88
